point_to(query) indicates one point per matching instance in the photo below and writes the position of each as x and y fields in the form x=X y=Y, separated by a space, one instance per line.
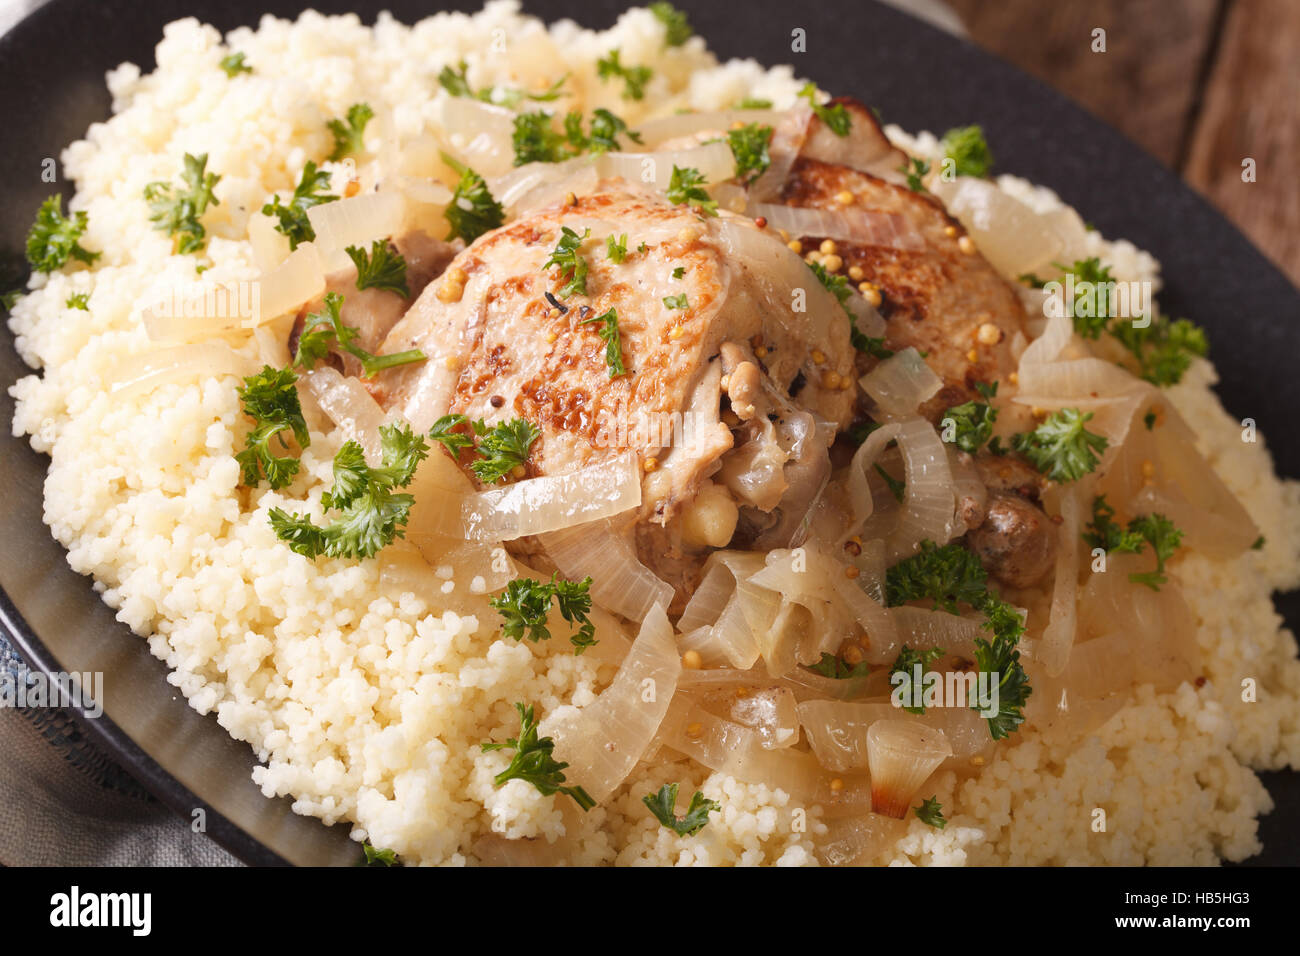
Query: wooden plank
x=1252 y=110
x=1144 y=83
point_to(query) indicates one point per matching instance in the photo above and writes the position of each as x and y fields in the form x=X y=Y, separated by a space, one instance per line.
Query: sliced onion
x=902 y=755
x=454 y=578
x=1078 y=378
x=619 y=581
x=270 y=247
x=1049 y=345
x=901 y=383
x=788 y=137
x=882 y=634
x=928 y=504
x=604 y=741
x=858 y=481
x=837 y=730
x=714 y=161
x=485 y=131
x=349 y=406
x=922 y=629
x=771 y=711
x=355 y=221
x=859 y=839
x=554 y=502
x=440 y=489
x=146 y=371
x=655 y=131
x=869 y=227
x=211 y=309
x=525 y=185
x=297 y=280
x=1058 y=637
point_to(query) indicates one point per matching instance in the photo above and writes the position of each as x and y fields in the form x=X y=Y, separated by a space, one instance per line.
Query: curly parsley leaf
x=906 y=663
x=503 y=448
x=1164 y=349
x=525 y=604
x=383 y=268
x=972 y=423
x=270 y=399
x=677 y=29
x=79 y=300
x=443 y=431
x=686 y=188
x=930 y=812
x=310 y=191
x=1159 y=532
x=567 y=258
x=325 y=331
x=836 y=668
x=836 y=117
x=374 y=857
x=536 y=141
x=664 y=806
x=606 y=128
x=1092 y=284
x=234 y=64
x=947 y=575
x=1061 y=447
x=472 y=210
x=1106 y=533
x=533 y=762
x=968 y=150
x=371 y=512
x=53 y=239
x=608 y=331
x=176 y=211
x=749 y=147
x=349 y=132
x=914 y=169
x=634 y=78
x=1001 y=658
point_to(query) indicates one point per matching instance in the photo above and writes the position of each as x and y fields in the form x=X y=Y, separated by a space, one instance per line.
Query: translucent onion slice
x=837 y=730
x=902 y=755
x=730 y=748
x=882 y=634
x=355 y=221
x=771 y=711
x=788 y=137
x=270 y=247
x=1058 y=637
x=1049 y=345
x=349 y=406
x=619 y=581
x=297 y=280
x=859 y=839
x=525 y=185
x=714 y=161
x=900 y=383
x=655 y=131
x=440 y=489
x=554 y=502
x=484 y=134
x=922 y=629
x=603 y=741
x=1077 y=378
x=858 y=483
x=867 y=227
x=928 y=504
x=721 y=573
x=136 y=374
x=457 y=577
x=209 y=310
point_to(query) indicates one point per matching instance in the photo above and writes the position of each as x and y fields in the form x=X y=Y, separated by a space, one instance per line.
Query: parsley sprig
x=567 y=258
x=456 y=82
x=749 y=147
x=606 y=128
x=608 y=330
x=383 y=268
x=634 y=78
x=1163 y=351
x=686 y=188
x=472 y=210
x=836 y=668
x=536 y=141
x=836 y=117
x=968 y=150
x=677 y=29
x=663 y=805
x=233 y=64
x=325 y=331
x=930 y=812
x=616 y=248
x=176 y=210
x=905 y=664
x=372 y=513
x=525 y=603
x=533 y=762
x=375 y=857
x=1061 y=447
x=270 y=399
x=292 y=216
x=1153 y=529
x=914 y=169
x=503 y=448
x=52 y=240
x=349 y=132
x=972 y=421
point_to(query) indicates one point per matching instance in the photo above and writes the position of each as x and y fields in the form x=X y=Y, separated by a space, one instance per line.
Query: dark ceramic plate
x=52 y=76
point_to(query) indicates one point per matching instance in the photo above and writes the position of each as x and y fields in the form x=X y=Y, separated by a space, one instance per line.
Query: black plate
x=52 y=76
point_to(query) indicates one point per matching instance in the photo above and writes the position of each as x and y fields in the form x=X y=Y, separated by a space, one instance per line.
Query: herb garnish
x=503 y=448
x=383 y=268
x=749 y=146
x=972 y=421
x=969 y=151
x=608 y=332
x=567 y=257
x=323 y=331
x=524 y=605
x=838 y=286
x=836 y=117
x=664 y=804
x=293 y=217
x=177 y=210
x=78 y=300
x=234 y=64
x=677 y=29
x=53 y=239
x=837 y=669
x=472 y=210
x=535 y=141
x=678 y=301
x=930 y=812
x=904 y=664
x=914 y=169
x=534 y=764
x=1153 y=529
x=896 y=487
x=375 y=857
x=349 y=133
x=616 y=248
x=271 y=401
x=686 y=188
x=634 y=77
x=1061 y=447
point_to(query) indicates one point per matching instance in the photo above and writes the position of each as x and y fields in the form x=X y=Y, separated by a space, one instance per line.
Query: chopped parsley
x=972 y=421
x=533 y=762
x=606 y=128
x=1149 y=419
x=525 y=603
x=371 y=512
x=456 y=83
x=1164 y=349
x=914 y=169
x=634 y=77
x=930 y=812
x=677 y=301
x=1061 y=447
x=969 y=151
x=905 y=663
x=679 y=272
x=503 y=448
x=1159 y=532
x=896 y=487
x=616 y=248
x=686 y=188
x=536 y=141
x=753 y=103
x=310 y=191
x=375 y=857
x=749 y=146
x=838 y=286
x=10 y=299
x=567 y=257
x=1258 y=544
x=443 y=432
x=349 y=132
x=271 y=401
x=836 y=117
x=1098 y=277
x=53 y=239
x=664 y=805
x=677 y=29
x=472 y=210
x=79 y=300
x=234 y=64
x=608 y=331
x=324 y=331
x=951 y=575
x=383 y=268
x=176 y=211
x=836 y=668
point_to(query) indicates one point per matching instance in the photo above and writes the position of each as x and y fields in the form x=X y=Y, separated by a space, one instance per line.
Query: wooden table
x=1203 y=85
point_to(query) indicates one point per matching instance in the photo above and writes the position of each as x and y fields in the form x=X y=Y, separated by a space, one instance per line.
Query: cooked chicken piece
x=374 y=312
x=939 y=299
x=1017 y=541
x=865 y=148
x=499 y=350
